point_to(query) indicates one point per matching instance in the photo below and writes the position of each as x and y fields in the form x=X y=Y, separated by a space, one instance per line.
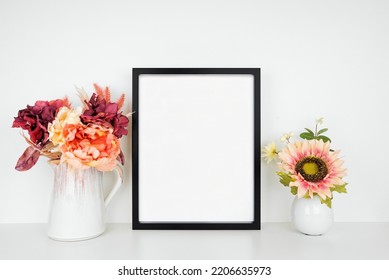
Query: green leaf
x=324 y=138
x=322 y=131
x=285 y=178
x=293 y=190
x=340 y=188
x=310 y=131
x=307 y=196
x=327 y=201
x=306 y=135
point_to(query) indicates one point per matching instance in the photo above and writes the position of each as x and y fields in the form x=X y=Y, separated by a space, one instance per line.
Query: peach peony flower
x=313 y=168
x=64 y=116
x=90 y=146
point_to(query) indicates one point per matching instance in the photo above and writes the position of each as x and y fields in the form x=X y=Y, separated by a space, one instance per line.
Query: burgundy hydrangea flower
x=100 y=111
x=35 y=119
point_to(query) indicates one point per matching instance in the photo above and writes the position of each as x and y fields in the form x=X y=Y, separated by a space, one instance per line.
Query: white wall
x=318 y=58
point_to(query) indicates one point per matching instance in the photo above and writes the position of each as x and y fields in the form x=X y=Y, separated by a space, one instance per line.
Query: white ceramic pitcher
x=77 y=210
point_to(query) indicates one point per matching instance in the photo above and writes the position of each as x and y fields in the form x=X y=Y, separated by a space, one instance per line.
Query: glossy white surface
x=310 y=216
x=77 y=210
x=274 y=241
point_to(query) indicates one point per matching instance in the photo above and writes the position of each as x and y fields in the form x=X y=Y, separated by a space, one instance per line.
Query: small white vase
x=311 y=217
x=77 y=210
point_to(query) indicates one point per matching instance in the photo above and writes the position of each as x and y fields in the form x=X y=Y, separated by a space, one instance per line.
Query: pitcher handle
x=118 y=183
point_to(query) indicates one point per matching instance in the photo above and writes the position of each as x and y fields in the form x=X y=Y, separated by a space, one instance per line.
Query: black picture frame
x=157 y=88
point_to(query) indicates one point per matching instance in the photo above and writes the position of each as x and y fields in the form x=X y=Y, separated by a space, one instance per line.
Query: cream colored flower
x=320 y=121
x=64 y=116
x=269 y=152
x=286 y=136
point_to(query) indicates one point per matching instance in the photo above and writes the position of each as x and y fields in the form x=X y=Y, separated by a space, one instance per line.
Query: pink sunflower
x=313 y=167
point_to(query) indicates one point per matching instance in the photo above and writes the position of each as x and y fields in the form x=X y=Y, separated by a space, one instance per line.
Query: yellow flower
x=64 y=116
x=269 y=152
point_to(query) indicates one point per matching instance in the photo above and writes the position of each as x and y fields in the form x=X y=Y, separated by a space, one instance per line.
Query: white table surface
x=274 y=241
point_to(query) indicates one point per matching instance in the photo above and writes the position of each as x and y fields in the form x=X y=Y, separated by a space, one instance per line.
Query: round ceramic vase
x=311 y=217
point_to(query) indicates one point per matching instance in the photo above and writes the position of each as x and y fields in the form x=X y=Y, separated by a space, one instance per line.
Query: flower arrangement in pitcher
x=82 y=137
x=309 y=167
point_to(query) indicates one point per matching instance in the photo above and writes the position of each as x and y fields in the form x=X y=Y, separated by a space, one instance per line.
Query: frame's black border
x=136 y=224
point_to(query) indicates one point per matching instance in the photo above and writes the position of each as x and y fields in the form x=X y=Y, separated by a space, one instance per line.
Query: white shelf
x=274 y=241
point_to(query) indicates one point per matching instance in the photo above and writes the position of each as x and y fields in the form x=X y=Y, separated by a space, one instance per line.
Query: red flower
x=35 y=119
x=101 y=112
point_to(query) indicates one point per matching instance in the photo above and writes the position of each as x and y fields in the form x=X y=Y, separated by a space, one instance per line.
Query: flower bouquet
x=82 y=137
x=82 y=143
x=309 y=167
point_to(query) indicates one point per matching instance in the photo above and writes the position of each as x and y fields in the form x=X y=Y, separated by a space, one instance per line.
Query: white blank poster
x=196 y=148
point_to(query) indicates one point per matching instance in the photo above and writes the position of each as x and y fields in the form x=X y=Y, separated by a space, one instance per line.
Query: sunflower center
x=312 y=169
